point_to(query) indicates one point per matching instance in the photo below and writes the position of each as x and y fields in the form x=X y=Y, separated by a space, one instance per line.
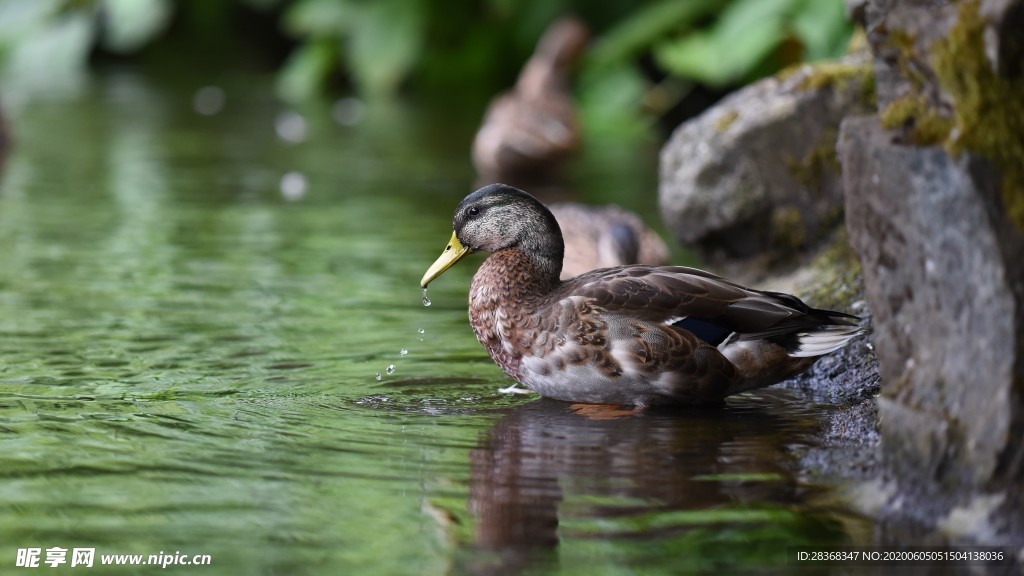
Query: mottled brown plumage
x=640 y=335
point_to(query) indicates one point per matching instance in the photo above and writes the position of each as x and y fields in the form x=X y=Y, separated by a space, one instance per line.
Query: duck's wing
x=709 y=306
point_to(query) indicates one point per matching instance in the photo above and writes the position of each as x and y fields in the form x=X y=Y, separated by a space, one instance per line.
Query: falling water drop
x=426 y=301
x=391 y=369
x=403 y=351
x=378 y=376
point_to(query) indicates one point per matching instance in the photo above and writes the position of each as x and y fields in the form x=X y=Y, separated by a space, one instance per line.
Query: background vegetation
x=647 y=58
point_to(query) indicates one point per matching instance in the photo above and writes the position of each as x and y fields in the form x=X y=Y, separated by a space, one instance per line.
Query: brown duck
x=529 y=130
x=639 y=335
x=604 y=236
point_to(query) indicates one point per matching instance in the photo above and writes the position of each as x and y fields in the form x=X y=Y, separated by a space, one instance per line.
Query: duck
x=604 y=236
x=530 y=130
x=636 y=335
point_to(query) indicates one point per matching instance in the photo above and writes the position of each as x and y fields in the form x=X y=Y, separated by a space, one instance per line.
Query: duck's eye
x=472 y=211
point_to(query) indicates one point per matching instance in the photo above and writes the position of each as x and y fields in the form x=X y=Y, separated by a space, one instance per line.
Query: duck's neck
x=503 y=297
x=547 y=70
x=513 y=275
x=540 y=78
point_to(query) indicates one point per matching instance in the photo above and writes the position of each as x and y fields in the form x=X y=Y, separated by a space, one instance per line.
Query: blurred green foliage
x=643 y=54
x=746 y=34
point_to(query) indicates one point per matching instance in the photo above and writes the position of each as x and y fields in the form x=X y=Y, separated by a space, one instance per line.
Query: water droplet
x=378 y=376
x=403 y=351
x=426 y=301
x=391 y=369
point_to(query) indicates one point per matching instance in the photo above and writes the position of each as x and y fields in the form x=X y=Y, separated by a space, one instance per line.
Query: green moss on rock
x=839 y=75
x=818 y=164
x=726 y=120
x=988 y=109
x=906 y=58
x=838 y=284
x=925 y=125
x=985 y=115
x=787 y=227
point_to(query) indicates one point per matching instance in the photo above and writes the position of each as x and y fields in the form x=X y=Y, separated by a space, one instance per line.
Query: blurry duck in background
x=605 y=236
x=526 y=135
x=528 y=131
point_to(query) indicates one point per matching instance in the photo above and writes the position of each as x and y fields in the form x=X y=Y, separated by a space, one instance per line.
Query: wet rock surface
x=929 y=408
x=942 y=287
x=932 y=194
x=757 y=173
x=848 y=380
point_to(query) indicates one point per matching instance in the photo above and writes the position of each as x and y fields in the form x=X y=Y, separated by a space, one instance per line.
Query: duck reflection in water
x=550 y=462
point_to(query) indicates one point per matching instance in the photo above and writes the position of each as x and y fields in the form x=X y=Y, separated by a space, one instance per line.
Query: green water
x=188 y=364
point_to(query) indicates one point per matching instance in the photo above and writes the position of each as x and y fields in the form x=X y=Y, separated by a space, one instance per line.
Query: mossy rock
x=980 y=111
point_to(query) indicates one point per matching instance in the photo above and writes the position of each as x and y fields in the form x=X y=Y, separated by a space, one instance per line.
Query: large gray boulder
x=933 y=186
x=934 y=191
x=757 y=173
x=943 y=270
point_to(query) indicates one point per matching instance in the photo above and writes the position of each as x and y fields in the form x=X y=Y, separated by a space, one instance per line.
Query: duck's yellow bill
x=452 y=254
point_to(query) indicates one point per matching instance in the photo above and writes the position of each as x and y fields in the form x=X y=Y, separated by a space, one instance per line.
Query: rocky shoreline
x=896 y=173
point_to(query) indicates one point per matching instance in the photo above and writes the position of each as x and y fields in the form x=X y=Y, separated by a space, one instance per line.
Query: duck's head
x=499 y=217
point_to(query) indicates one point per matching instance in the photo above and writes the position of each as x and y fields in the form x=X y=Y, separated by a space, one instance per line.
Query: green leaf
x=822 y=27
x=745 y=16
x=695 y=56
x=20 y=17
x=745 y=34
x=386 y=43
x=303 y=74
x=648 y=25
x=320 y=18
x=708 y=59
x=749 y=48
x=53 y=57
x=132 y=23
x=611 y=87
x=610 y=98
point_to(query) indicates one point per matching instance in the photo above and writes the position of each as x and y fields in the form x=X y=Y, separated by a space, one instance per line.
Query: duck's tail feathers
x=823 y=340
